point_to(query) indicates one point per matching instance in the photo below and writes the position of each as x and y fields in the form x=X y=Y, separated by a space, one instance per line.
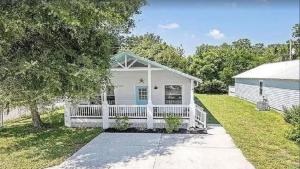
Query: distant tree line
x=215 y=65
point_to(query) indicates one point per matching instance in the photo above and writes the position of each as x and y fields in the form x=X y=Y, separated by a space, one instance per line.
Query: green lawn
x=21 y=146
x=260 y=135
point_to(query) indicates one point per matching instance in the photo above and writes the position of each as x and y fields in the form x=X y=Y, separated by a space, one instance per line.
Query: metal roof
x=279 y=70
x=153 y=63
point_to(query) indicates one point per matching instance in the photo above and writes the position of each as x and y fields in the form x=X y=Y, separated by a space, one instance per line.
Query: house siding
x=125 y=83
x=280 y=93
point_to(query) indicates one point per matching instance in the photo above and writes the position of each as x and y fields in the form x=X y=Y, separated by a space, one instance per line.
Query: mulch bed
x=137 y=130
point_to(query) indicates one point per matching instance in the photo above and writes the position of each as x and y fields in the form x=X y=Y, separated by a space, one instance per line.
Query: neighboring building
x=144 y=91
x=278 y=82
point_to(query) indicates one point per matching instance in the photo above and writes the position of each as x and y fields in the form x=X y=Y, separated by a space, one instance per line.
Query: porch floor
x=160 y=151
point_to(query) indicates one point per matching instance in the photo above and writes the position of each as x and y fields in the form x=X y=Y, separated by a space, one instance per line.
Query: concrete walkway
x=215 y=150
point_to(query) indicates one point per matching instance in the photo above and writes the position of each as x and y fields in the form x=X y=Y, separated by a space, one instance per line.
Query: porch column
x=192 y=107
x=67 y=113
x=105 y=113
x=149 y=105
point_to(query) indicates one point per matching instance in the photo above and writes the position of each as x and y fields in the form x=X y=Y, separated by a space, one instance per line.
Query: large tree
x=216 y=65
x=154 y=48
x=58 y=48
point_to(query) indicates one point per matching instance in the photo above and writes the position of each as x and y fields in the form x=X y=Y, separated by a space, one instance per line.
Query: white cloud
x=169 y=26
x=216 y=34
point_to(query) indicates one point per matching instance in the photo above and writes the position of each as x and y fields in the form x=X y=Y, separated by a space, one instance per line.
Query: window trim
x=164 y=92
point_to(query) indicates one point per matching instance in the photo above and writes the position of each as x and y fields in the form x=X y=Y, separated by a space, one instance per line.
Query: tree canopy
x=58 y=48
x=154 y=48
x=214 y=64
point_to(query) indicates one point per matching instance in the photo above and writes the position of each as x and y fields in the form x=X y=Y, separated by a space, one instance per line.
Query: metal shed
x=278 y=82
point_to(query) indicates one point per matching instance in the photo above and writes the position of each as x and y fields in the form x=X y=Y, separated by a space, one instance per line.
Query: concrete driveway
x=215 y=150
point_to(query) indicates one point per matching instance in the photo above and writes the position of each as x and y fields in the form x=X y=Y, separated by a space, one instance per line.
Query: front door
x=141 y=95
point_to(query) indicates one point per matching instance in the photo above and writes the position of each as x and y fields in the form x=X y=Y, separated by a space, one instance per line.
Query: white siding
x=125 y=83
x=278 y=92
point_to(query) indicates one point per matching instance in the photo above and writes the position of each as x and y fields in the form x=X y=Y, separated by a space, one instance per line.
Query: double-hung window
x=111 y=95
x=173 y=94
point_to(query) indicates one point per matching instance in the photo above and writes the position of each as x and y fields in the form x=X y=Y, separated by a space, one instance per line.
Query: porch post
x=105 y=113
x=192 y=106
x=149 y=105
x=67 y=113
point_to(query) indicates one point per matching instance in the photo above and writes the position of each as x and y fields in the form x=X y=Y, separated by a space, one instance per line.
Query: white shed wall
x=125 y=83
x=278 y=92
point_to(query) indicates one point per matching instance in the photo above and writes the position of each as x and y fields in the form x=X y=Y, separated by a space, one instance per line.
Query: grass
x=22 y=146
x=260 y=135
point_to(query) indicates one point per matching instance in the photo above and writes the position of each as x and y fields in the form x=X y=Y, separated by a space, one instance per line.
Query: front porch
x=140 y=116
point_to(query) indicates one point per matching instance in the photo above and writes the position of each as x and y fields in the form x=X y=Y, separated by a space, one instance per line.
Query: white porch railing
x=131 y=111
x=106 y=112
x=161 y=111
x=87 y=111
x=200 y=116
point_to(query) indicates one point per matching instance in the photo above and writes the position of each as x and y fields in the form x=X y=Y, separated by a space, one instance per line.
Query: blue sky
x=193 y=22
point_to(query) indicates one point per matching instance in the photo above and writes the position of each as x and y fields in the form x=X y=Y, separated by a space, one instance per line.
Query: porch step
x=198 y=130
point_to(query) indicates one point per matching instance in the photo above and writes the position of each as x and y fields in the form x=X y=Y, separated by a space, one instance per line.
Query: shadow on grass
x=210 y=118
x=49 y=143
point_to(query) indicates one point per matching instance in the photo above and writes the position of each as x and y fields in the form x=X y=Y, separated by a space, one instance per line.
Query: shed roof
x=279 y=70
x=119 y=56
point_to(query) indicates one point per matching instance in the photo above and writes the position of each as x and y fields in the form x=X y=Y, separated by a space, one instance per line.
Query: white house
x=278 y=82
x=144 y=91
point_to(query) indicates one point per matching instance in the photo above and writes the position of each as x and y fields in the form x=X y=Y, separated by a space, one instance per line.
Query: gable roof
x=279 y=70
x=146 y=61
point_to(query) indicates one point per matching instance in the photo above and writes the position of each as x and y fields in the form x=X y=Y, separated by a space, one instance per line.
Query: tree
x=152 y=47
x=216 y=65
x=58 y=48
x=296 y=31
x=296 y=35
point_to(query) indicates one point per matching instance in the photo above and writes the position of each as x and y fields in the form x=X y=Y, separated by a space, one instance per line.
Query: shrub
x=294 y=133
x=214 y=86
x=122 y=123
x=172 y=123
x=292 y=115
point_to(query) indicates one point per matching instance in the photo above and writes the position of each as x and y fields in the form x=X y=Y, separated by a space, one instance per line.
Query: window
x=142 y=93
x=260 y=88
x=111 y=95
x=173 y=94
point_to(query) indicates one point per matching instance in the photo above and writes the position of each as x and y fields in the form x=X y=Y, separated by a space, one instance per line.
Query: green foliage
x=214 y=86
x=59 y=48
x=122 y=123
x=172 y=123
x=152 y=47
x=296 y=31
x=296 y=42
x=294 y=133
x=292 y=116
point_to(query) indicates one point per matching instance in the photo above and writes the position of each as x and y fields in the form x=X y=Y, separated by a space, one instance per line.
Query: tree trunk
x=36 y=120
